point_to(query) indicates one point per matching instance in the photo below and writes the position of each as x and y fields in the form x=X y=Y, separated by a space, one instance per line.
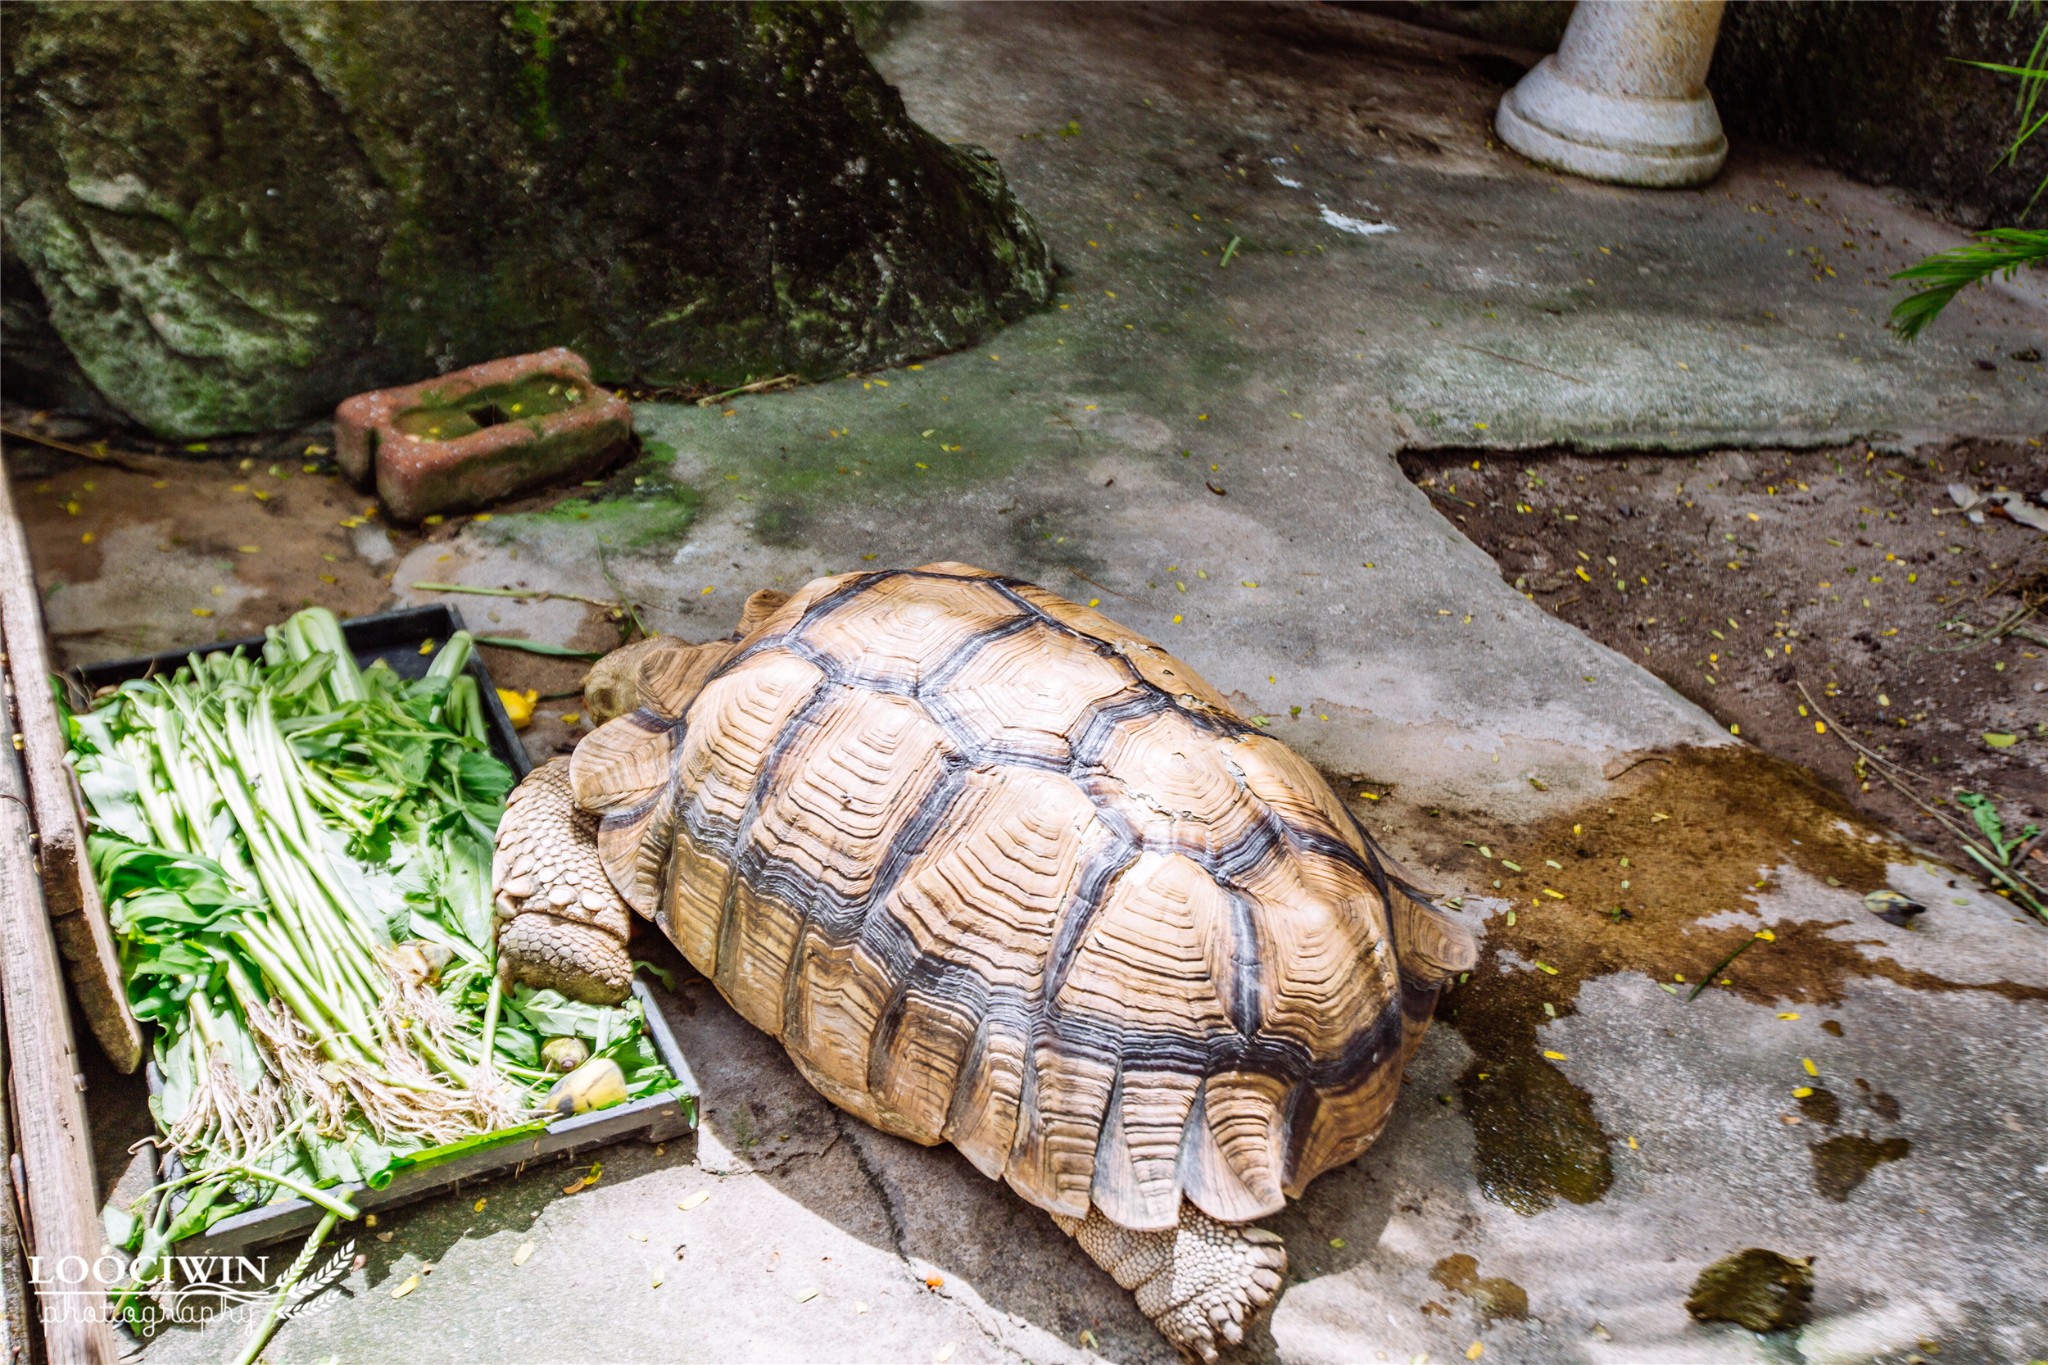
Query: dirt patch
x=1629 y=885
x=263 y=526
x=1737 y=577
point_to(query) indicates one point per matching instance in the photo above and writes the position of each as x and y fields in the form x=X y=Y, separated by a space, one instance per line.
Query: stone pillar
x=1624 y=98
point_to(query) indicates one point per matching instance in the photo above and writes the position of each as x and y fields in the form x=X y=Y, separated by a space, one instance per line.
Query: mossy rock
x=237 y=214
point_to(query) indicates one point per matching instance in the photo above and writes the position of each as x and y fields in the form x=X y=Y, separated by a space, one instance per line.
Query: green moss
x=639 y=507
x=1757 y=1289
x=532 y=23
x=525 y=400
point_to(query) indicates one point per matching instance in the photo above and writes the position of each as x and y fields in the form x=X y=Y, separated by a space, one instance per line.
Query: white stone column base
x=1626 y=140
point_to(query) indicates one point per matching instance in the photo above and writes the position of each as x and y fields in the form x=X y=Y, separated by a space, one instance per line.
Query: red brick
x=480 y=435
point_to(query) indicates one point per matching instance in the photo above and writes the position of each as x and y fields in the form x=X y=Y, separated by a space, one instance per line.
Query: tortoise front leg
x=1201 y=1283
x=561 y=923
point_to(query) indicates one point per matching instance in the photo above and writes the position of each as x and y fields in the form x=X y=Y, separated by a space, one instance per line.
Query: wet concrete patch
x=1495 y=1296
x=1842 y=1163
x=1819 y=1105
x=1668 y=878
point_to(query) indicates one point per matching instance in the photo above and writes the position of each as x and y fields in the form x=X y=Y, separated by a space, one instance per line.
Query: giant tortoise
x=1001 y=873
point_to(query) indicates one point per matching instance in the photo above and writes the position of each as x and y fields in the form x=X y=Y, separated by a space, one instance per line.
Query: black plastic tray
x=393 y=636
x=396 y=637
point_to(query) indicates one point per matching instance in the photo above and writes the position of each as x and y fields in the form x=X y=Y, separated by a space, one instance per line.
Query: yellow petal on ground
x=1553 y=1056
x=478 y=1206
x=518 y=705
x=693 y=1199
x=1802 y=1092
x=1788 y=1014
x=412 y=1282
x=523 y=1254
x=1475 y=1350
x=1807 y=1063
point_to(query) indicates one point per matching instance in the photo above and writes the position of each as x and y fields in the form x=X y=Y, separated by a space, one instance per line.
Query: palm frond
x=2000 y=251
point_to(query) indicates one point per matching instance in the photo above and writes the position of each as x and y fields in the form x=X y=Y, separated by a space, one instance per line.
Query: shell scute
x=1024 y=692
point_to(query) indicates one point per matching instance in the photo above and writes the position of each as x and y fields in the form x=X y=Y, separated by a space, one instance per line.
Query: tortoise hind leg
x=561 y=924
x=1201 y=1283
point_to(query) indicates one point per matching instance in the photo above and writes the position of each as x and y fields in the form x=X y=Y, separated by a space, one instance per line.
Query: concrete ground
x=1292 y=250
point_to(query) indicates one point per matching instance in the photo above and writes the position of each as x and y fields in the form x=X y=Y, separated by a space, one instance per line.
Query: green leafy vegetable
x=295 y=855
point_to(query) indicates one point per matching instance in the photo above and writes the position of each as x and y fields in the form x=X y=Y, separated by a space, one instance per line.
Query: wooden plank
x=45 y=1094
x=76 y=914
x=17 y=1305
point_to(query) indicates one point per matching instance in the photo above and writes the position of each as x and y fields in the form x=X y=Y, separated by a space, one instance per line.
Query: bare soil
x=1739 y=577
x=277 y=521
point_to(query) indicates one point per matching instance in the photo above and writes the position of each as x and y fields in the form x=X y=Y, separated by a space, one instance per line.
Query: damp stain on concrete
x=1819 y=1105
x=1881 y=1103
x=1494 y=1296
x=1842 y=1163
x=1660 y=878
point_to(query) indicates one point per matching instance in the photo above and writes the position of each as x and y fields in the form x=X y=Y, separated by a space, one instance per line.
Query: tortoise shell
x=1000 y=872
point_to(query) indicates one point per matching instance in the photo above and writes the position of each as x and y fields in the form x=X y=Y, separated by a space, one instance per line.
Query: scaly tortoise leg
x=1201 y=1283
x=561 y=923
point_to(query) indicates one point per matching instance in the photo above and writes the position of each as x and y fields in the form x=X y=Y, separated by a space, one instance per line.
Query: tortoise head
x=664 y=673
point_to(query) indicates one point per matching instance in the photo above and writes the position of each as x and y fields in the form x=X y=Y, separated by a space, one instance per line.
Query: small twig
x=1897 y=775
x=624 y=603
x=1526 y=364
x=780 y=381
x=1068 y=423
x=523 y=594
x=133 y=464
x=1228 y=252
x=1635 y=762
x=1104 y=586
x=1721 y=966
x=2006 y=627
